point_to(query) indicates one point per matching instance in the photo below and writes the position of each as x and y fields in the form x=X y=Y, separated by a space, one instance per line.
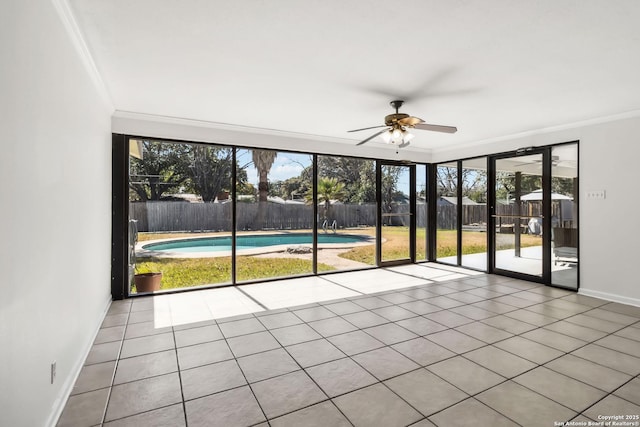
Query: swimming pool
x=247 y=242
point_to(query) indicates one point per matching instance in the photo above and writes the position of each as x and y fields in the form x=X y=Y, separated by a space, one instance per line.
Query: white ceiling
x=321 y=67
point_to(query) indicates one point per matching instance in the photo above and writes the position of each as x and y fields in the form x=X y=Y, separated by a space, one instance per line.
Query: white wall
x=609 y=233
x=55 y=192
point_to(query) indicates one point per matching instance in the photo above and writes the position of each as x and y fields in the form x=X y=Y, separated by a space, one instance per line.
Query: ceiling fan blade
x=436 y=128
x=410 y=121
x=372 y=127
x=371 y=137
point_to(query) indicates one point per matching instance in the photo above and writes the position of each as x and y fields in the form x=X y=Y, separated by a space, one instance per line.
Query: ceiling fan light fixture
x=386 y=136
x=408 y=136
x=397 y=136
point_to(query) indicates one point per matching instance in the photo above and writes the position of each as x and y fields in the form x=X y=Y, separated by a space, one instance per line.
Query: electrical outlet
x=53 y=372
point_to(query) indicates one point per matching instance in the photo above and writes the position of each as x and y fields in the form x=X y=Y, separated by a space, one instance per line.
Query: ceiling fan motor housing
x=391 y=119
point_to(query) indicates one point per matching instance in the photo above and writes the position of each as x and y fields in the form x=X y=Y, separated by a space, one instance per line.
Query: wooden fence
x=184 y=216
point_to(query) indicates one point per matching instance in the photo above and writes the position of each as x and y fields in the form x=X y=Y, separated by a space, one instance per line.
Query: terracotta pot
x=147 y=282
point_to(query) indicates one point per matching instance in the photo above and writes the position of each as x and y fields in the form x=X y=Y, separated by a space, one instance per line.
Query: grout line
x=242 y=291
x=426 y=286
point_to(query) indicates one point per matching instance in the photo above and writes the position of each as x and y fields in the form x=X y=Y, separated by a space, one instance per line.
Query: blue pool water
x=218 y=244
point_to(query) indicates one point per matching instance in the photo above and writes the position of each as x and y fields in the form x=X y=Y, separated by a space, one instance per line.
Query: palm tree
x=328 y=189
x=263 y=160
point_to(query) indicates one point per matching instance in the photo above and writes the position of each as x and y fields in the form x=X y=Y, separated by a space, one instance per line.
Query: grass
x=396 y=243
x=188 y=272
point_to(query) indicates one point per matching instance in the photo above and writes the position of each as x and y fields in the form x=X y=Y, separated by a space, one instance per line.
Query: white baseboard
x=610 y=297
x=67 y=388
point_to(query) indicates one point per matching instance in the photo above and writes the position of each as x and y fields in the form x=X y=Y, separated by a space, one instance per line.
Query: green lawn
x=188 y=272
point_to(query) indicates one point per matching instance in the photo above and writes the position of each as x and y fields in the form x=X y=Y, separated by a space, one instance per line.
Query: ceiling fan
x=396 y=127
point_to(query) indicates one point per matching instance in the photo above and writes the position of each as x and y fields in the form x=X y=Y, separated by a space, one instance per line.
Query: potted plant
x=146 y=280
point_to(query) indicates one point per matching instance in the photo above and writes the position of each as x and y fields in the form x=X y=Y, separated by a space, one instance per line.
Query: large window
x=396 y=217
x=421 y=212
x=212 y=215
x=180 y=215
x=274 y=214
x=474 y=213
x=346 y=197
x=185 y=198
x=447 y=213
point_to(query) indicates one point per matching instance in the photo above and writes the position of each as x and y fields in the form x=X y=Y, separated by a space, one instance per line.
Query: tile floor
x=417 y=345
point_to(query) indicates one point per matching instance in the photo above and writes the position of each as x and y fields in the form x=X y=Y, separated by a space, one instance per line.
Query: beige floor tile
x=287 y=393
x=171 y=416
x=94 y=377
x=314 y=352
x=524 y=406
x=209 y=379
x=610 y=358
x=560 y=388
x=319 y=415
x=148 y=365
x=84 y=409
x=376 y=405
x=466 y=375
x=385 y=363
x=471 y=412
x=504 y=363
x=527 y=349
x=340 y=376
x=455 y=341
x=425 y=391
x=232 y=407
x=630 y=391
x=589 y=372
x=612 y=405
x=144 y=395
x=268 y=364
x=355 y=342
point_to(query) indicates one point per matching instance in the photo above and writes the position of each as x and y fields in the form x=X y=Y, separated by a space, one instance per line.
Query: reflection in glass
x=396 y=216
x=518 y=232
x=474 y=213
x=564 y=211
x=421 y=212
x=447 y=213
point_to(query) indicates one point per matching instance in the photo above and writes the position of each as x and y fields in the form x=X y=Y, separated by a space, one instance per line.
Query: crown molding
x=70 y=24
x=542 y=131
x=151 y=125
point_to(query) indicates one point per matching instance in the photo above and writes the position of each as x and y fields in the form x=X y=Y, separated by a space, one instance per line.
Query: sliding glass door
x=518 y=213
x=397 y=213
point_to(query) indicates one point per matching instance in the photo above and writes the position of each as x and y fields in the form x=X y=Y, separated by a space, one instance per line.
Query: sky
x=288 y=165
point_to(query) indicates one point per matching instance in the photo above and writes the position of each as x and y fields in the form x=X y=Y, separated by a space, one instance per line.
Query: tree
x=329 y=189
x=358 y=176
x=210 y=170
x=389 y=190
x=506 y=184
x=158 y=172
x=289 y=188
x=474 y=183
x=263 y=160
